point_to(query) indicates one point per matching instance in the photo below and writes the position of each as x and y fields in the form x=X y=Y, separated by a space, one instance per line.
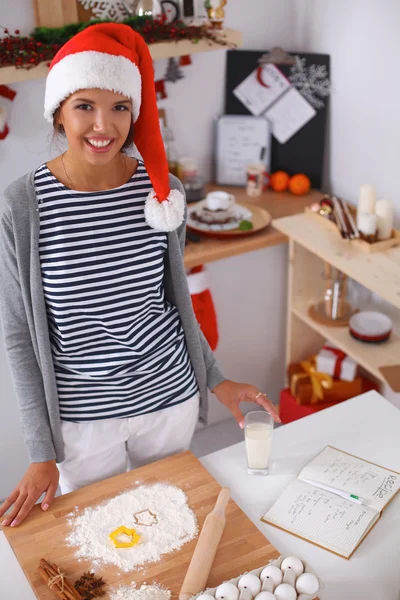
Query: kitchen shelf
x=369 y=356
x=311 y=244
x=158 y=51
x=378 y=271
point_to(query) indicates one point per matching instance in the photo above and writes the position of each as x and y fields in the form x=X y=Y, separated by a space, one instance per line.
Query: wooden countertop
x=279 y=204
x=242 y=548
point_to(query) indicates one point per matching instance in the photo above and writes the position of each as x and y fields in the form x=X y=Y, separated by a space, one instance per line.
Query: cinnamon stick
x=340 y=220
x=69 y=585
x=47 y=570
x=350 y=218
x=56 y=589
x=53 y=570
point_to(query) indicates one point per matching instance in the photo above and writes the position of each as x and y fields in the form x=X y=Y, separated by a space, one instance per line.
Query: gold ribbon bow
x=319 y=381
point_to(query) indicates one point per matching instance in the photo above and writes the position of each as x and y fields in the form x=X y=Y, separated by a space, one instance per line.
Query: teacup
x=221 y=201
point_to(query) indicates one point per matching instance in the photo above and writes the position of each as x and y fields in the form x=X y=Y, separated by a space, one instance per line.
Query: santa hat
x=113 y=56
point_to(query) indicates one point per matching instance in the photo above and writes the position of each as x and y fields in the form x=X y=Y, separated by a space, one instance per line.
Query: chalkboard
x=304 y=152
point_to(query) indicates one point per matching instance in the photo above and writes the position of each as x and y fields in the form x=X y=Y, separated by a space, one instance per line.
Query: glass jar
x=148 y=7
x=191 y=181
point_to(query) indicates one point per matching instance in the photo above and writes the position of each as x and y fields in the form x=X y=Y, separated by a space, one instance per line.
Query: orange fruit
x=299 y=184
x=279 y=181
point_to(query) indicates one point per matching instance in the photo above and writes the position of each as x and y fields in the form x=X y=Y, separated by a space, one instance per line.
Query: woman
x=109 y=365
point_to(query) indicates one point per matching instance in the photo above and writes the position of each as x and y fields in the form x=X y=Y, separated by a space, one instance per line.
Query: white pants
x=101 y=449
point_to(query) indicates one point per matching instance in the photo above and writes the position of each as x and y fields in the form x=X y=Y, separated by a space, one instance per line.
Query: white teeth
x=99 y=143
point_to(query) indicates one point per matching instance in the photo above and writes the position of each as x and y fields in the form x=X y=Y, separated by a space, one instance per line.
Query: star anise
x=90 y=586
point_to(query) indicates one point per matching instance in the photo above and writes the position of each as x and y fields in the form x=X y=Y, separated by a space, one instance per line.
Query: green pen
x=352 y=497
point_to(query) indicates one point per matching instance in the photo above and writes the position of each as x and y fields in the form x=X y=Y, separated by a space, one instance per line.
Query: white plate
x=240 y=213
x=370 y=323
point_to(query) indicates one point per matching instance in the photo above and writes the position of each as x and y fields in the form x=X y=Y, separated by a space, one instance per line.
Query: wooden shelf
x=158 y=51
x=369 y=356
x=379 y=272
x=279 y=204
x=311 y=245
x=184 y=47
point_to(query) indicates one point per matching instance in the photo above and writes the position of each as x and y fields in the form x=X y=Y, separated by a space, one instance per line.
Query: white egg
x=292 y=562
x=227 y=591
x=265 y=596
x=272 y=572
x=205 y=597
x=284 y=591
x=251 y=582
x=307 y=583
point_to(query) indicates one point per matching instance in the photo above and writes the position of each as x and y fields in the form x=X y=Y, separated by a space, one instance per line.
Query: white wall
x=249 y=290
x=362 y=37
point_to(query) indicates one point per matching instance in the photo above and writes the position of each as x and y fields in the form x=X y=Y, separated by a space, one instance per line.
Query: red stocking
x=203 y=305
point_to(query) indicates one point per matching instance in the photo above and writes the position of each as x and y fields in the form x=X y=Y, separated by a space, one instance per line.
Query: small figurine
x=215 y=12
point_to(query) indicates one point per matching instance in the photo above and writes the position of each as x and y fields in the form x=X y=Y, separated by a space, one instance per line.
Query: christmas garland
x=44 y=42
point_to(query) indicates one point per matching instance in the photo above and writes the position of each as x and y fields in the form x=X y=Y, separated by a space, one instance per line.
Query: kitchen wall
x=362 y=37
x=249 y=290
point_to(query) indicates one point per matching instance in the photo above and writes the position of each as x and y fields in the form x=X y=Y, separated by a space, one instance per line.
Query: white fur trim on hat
x=166 y=215
x=89 y=70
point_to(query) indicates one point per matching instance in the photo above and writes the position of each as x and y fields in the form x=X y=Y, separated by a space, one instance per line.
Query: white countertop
x=367 y=426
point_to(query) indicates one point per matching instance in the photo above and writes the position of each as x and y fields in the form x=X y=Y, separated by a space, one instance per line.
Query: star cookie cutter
x=141 y=520
x=131 y=533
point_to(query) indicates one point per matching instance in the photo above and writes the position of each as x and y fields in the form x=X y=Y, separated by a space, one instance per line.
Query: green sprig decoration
x=44 y=42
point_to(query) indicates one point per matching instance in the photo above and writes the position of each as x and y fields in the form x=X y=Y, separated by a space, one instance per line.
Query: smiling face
x=96 y=123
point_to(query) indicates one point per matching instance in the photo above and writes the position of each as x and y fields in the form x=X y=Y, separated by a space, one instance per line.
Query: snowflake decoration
x=114 y=10
x=312 y=82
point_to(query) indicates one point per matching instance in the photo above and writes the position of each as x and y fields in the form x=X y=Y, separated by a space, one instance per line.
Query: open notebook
x=326 y=519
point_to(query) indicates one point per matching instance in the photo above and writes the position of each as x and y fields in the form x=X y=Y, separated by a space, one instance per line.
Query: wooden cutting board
x=243 y=547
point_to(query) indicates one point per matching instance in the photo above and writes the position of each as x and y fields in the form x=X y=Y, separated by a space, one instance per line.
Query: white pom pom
x=166 y=215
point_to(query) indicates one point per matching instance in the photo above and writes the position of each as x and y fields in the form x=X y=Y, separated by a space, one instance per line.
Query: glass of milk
x=258 y=427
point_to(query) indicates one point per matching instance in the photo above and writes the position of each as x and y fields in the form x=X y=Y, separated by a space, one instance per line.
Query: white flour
x=176 y=526
x=146 y=592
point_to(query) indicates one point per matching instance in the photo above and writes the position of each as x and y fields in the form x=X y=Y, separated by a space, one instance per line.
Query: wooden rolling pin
x=206 y=548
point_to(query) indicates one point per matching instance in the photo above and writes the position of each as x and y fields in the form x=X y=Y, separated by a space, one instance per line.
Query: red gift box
x=290 y=410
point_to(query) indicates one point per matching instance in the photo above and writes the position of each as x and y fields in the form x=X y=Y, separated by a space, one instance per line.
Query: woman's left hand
x=231 y=394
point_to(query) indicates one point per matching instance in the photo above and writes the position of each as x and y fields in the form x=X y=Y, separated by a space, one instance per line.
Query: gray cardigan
x=25 y=328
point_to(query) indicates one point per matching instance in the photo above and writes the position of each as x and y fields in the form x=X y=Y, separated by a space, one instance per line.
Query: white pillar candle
x=366 y=223
x=384 y=214
x=366 y=199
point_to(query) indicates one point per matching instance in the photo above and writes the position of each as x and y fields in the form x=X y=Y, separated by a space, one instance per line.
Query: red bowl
x=371 y=339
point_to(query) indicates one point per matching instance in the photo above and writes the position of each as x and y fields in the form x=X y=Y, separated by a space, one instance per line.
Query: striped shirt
x=118 y=347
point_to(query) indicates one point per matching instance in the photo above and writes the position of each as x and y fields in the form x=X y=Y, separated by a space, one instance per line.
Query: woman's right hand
x=39 y=478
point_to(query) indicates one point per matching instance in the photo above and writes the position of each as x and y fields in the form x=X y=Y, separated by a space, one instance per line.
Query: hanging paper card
x=289 y=114
x=261 y=88
x=240 y=141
